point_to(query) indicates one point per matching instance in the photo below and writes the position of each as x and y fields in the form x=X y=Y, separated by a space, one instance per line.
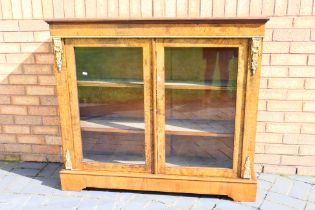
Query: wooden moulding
x=142 y=28
x=236 y=188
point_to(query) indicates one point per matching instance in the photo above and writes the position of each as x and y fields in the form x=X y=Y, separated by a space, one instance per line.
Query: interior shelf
x=192 y=85
x=216 y=128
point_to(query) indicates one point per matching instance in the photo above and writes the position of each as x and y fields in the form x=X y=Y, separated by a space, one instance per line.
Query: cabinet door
x=200 y=103
x=110 y=90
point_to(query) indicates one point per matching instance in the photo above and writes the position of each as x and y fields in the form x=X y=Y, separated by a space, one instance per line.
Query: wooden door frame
x=72 y=120
x=242 y=45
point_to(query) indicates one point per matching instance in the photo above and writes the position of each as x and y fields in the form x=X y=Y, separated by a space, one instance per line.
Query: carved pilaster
x=255 y=53
x=68 y=164
x=58 y=51
x=247 y=171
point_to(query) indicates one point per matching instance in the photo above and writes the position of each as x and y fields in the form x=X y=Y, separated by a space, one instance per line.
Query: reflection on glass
x=200 y=121
x=111 y=116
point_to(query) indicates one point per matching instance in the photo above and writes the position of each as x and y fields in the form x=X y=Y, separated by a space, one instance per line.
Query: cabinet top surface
x=230 y=20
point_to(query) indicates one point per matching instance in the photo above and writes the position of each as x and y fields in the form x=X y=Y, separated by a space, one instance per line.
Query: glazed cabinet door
x=110 y=97
x=200 y=106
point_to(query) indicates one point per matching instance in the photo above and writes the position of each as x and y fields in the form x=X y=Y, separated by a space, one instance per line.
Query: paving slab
x=29 y=185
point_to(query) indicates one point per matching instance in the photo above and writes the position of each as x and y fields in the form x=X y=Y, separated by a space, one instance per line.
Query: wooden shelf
x=179 y=85
x=172 y=127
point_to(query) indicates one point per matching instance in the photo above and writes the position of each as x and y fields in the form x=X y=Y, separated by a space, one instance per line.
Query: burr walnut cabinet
x=159 y=104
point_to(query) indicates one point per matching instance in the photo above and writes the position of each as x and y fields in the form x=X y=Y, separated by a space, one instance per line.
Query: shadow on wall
x=29 y=122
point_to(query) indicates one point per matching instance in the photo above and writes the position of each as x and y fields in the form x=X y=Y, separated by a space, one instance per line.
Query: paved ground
x=28 y=185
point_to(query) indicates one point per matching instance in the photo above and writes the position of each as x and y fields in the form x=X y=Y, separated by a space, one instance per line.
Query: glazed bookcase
x=159 y=104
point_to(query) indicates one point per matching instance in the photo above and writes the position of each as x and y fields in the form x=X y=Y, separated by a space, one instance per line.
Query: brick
x=265 y=61
x=276 y=169
x=263 y=83
x=34 y=157
x=267 y=159
x=276 y=47
x=302 y=47
x=262 y=105
x=7 y=138
x=305 y=95
x=11 y=157
x=46 y=149
x=80 y=8
x=35 y=47
x=44 y=58
x=47 y=80
x=301 y=71
x=42 y=110
x=306 y=7
x=42 y=36
x=18 y=37
x=16 y=129
x=53 y=140
x=9 y=48
x=272 y=94
x=48 y=120
x=281 y=7
x=101 y=8
x=307 y=150
x=243 y=8
x=268 y=7
x=54 y=158
x=9 y=25
x=274 y=71
x=147 y=8
x=50 y=130
x=48 y=10
x=48 y=100
x=283 y=127
x=291 y=35
x=230 y=8
x=37 y=69
x=300 y=117
x=255 y=8
x=2 y=58
x=261 y=127
x=37 y=9
x=304 y=22
x=28 y=120
x=270 y=116
x=280 y=22
x=268 y=35
x=4 y=99
x=20 y=148
x=306 y=171
x=16 y=9
x=6 y=119
x=7 y=69
x=11 y=90
x=284 y=106
x=309 y=106
x=297 y=160
x=313 y=34
x=20 y=58
x=269 y=138
x=135 y=8
x=288 y=83
x=299 y=139
x=288 y=59
x=193 y=9
x=311 y=60
x=294 y=7
x=259 y=148
x=12 y=109
x=281 y=149
x=33 y=25
x=6 y=9
x=40 y=90
x=25 y=100
x=218 y=8
x=27 y=10
x=22 y=79
x=30 y=139
x=123 y=8
x=308 y=128
x=310 y=84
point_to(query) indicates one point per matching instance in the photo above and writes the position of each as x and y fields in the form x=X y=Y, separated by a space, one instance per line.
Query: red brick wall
x=29 y=123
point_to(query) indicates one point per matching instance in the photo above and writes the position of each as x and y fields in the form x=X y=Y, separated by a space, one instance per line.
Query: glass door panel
x=111 y=92
x=202 y=130
x=200 y=111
